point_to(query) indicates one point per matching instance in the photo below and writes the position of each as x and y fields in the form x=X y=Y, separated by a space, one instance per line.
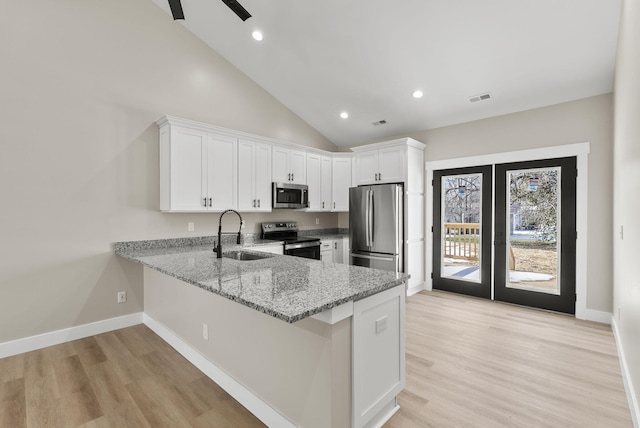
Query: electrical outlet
x=242 y=224
x=122 y=296
x=317 y=221
x=619 y=312
x=205 y=331
x=191 y=226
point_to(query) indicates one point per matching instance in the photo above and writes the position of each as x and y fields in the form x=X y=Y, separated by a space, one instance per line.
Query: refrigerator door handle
x=366 y=220
x=373 y=218
x=370 y=217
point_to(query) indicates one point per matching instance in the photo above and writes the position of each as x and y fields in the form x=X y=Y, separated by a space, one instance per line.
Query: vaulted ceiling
x=366 y=57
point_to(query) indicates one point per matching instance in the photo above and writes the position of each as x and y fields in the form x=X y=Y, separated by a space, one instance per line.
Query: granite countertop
x=286 y=287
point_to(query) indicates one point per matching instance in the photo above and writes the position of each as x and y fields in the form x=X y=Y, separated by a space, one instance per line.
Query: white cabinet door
x=341 y=171
x=289 y=166
x=338 y=251
x=198 y=171
x=327 y=180
x=380 y=166
x=314 y=181
x=391 y=165
x=186 y=169
x=280 y=165
x=246 y=178
x=366 y=167
x=254 y=176
x=222 y=161
x=263 y=177
x=298 y=166
x=326 y=250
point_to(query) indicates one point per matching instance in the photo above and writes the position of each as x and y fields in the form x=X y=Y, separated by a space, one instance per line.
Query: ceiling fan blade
x=176 y=9
x=237 y=9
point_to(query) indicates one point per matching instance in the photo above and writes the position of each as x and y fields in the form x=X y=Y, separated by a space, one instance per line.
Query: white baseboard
x=593 y=315
x=267 y=414
x=413 y=290
x=44 y=340
x=632 y=398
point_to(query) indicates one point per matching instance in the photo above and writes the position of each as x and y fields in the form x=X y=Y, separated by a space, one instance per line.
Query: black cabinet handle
x=258 y=203
x=210 y=202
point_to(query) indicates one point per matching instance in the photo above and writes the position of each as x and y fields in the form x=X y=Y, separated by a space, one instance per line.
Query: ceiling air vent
x=379 y=122
x=482 y=97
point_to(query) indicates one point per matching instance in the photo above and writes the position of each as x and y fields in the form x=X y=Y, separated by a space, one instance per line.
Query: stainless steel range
x=293 y=244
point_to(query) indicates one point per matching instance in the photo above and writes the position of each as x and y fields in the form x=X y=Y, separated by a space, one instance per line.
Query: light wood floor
x=476 y=363
x=470 y=363
x=125 y=378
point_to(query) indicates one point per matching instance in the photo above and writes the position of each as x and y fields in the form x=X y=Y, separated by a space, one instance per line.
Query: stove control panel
x=284 y=226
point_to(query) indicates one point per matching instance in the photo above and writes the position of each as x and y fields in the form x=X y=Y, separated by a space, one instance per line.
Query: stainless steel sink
x=246 y=255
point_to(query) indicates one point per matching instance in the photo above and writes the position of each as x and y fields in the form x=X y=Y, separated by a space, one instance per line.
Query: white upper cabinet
x=222 y=184
x=289 y=165
x=254 y=176
x=319 y=181
x=384 y=165
x=327 y=182
x=194 y=173
x=341 y=181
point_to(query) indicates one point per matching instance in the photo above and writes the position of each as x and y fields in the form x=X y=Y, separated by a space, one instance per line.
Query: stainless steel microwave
x=287 y=195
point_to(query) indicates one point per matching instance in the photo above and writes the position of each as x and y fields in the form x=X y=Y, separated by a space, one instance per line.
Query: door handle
x=210 y=202
x=322 y=204
x=254 y=203
x=205 y=201
x=258 y=203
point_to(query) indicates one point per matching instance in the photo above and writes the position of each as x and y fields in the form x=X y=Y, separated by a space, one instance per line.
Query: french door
x=462 y=230
x=535 y=235
x=534 y=232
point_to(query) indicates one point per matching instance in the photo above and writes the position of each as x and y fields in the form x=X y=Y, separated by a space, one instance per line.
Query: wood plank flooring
x=476 y=363
x=470 y=363
x=125 y=378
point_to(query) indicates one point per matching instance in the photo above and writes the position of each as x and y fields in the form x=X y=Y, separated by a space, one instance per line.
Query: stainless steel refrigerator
x=376 y=231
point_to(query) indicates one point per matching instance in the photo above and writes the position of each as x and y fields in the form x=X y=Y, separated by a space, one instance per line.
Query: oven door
x=303 y=250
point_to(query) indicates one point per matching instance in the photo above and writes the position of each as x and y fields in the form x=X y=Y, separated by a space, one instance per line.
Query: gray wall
x=81 y=85
x=627 y=188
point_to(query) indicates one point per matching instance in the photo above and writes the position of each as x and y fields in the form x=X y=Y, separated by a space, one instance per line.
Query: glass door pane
x=461 y=227
x=533 y=230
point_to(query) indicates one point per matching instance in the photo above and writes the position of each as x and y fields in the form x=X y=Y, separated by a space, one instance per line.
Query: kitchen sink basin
x=246 y=255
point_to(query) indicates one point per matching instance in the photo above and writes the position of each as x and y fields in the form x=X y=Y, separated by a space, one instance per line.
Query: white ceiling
x=321 y=57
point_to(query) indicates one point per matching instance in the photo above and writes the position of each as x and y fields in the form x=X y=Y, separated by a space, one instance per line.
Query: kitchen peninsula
x=299 y=342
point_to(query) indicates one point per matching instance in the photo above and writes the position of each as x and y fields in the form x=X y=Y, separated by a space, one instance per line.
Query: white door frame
x=581 y=152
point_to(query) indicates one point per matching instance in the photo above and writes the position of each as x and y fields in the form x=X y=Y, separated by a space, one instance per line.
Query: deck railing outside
x=462 y=241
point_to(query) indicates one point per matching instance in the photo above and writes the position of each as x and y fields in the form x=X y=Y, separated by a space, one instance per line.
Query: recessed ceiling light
x=344 y=115
x=417 y=94
x=257 y=35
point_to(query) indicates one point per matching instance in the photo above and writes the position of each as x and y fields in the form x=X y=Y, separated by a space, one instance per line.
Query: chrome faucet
x=218 y=249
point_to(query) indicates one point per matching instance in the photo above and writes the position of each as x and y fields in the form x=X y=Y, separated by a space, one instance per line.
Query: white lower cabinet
x=378 y=356
x=341 y=251
x=326 y=250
